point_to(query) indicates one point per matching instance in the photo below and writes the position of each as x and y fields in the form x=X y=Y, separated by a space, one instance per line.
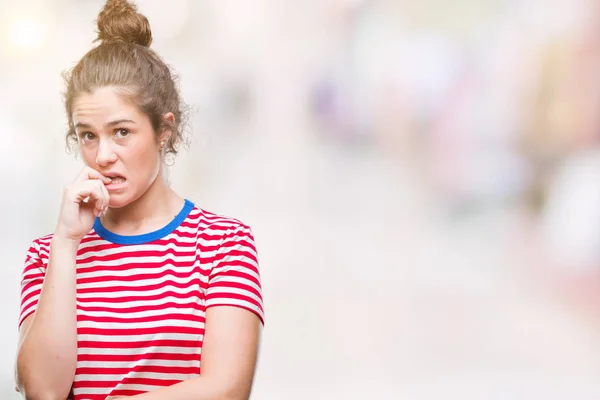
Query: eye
x=87 y=136
x=121 y=133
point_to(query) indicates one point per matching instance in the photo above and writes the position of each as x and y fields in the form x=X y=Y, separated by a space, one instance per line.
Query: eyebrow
x=107 y=125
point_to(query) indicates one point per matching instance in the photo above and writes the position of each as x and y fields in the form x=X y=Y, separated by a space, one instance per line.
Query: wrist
x=64 y=243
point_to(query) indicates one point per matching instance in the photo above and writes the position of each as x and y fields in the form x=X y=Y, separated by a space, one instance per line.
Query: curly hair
x=124 y=61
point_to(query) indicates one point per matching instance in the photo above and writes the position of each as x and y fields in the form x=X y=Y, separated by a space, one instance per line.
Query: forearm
x=48 y=353
x=201 y=388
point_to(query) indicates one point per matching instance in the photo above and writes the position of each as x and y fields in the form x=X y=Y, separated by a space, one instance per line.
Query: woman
x=136 y=283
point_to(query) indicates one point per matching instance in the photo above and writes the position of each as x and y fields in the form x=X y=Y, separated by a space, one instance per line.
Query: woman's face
x=118 y=140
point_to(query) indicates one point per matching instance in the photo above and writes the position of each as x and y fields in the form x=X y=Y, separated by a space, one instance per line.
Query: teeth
x=118 y=180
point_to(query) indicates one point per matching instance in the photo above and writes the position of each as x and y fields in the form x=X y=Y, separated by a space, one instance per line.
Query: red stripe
x=237 y=285
x=145 y=264
x=130 y=320
x=137 y=254
x=117 y=393
x=137 y=357
x=224 y=273
x=215 y=226
x=125 y=299
x=237 y=243
x=143 y=331
x=234 y=264
x=220 y=298
x=93 y=344
x=103 y=246
x=142 y=289
x=31 y=294
x=234 y=253
x=138 y=277
x=253 y=311
x=159 y=369
x=194 y=305
x=96 y=269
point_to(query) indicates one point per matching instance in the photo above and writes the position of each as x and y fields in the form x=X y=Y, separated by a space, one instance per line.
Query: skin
x=117 y=139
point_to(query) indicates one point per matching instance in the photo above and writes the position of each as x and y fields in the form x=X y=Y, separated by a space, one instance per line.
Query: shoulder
x=216 y=223
x=215 y=230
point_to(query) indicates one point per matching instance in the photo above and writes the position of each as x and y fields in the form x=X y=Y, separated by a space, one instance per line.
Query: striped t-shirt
x=142 y=300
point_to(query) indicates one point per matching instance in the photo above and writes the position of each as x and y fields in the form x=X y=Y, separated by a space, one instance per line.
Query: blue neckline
x=145 y=237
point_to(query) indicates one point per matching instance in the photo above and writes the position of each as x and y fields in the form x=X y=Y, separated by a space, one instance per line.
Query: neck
x=152 y=210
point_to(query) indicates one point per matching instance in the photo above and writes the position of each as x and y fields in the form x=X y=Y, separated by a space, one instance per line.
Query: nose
x=106 y=154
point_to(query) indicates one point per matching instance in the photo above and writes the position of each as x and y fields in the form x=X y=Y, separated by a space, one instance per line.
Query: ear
x=169 y=120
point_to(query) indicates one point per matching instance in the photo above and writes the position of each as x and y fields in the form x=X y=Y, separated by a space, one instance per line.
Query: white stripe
x=249 y=271
x=30 y=304
x=188 y=281
x=186 y=231
x=96 y=391
x=132 y=249
x=215 y=291
x=136 y=351
x=239 y=279
x=140 y=314
x=138 y=303
x=212 y=227
x=239 y=247
x=140 y=325
x=93 y=391
x=97 y=271
x=189 y=290
x=133 y=258
x=235 y=302
x=143 y=362
x=120 y=377
x=31 y=289
x=141 y=388
x=139 y=338
x=31 y=267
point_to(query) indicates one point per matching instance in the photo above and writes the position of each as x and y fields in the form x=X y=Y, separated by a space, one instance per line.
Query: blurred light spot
x=27 y=34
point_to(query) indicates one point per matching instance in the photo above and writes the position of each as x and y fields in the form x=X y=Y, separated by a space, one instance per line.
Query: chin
x=119 y=201
x=124 y=198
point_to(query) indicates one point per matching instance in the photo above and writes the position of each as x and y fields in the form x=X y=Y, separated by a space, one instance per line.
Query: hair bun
x=119 y=20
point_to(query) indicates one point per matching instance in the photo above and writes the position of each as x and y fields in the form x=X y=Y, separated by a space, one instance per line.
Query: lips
x=113 y=175
x=117 y=180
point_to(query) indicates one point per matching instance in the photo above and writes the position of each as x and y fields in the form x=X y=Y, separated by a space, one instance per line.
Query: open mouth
x=116 y=179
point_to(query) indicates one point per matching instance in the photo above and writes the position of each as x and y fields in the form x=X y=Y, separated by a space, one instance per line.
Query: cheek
x=144 y=163
x=88 y=155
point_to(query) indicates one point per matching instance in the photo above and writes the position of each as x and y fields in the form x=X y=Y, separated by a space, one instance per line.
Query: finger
x=88 y=173
x=99 y=197
x=89 y=192
x=106 y=197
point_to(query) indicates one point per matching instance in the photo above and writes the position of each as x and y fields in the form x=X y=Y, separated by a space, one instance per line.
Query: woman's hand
x=83 y=200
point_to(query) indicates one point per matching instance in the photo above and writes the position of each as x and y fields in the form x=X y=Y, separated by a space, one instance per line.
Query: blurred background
x=422 y=179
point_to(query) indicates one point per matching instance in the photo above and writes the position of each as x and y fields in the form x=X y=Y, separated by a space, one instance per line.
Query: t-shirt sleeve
x=234 y=278
x=31 y=280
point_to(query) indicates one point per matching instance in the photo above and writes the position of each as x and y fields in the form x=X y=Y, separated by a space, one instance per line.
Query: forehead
x=102 y=104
